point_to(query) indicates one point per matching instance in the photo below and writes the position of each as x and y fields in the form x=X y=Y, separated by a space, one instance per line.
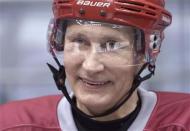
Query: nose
x=91 y=64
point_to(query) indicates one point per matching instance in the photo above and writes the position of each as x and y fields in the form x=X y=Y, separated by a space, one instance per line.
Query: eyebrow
x=78 y=34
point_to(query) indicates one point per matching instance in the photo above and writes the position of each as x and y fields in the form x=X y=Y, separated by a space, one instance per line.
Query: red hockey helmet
x=149 y=16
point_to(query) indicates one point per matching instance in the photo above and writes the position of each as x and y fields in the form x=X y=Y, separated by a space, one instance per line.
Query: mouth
x=94 y=84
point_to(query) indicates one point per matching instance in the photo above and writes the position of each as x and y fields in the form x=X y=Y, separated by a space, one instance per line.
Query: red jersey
x=159 y=112
x=38 y=114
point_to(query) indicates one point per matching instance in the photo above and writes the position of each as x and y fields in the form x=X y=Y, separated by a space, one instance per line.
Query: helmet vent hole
x=82 y=11
x=131 y=2
x=131 y=6
x=154 y=45
x=131 y=9
x=102 y=13
x=151 y=13
x=151 y=7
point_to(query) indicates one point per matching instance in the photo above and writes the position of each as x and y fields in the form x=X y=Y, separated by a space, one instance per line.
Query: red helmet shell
x=144 y=14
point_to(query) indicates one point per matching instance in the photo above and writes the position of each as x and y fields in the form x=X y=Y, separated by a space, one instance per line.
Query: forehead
x=100 y=28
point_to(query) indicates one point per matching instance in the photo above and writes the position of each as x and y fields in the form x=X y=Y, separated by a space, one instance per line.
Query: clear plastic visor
x=105 y=43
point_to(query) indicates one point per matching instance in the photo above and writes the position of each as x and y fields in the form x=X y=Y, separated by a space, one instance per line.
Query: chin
x=95 y=103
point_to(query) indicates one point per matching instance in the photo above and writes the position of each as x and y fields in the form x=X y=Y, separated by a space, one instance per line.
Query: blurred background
x=23 y=50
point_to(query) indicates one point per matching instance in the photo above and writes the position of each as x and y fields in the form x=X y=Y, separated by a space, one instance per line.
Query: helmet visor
x=110 y=44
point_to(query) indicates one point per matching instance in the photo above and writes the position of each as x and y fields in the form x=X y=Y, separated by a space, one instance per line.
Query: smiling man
x=106 y=46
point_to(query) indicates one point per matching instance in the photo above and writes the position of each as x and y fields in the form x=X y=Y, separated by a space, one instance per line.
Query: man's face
x=97 y=62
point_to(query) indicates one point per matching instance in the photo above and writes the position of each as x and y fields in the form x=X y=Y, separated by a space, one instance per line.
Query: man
x=106 y=46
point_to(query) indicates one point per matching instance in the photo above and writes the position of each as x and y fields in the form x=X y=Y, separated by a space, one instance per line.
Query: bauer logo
x=93 y=3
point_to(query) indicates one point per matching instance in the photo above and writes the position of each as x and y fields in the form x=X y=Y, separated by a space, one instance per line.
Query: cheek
x=124 y=77
x=72 y=64
x=123 y=84
x=70 y=70
x=69 y=64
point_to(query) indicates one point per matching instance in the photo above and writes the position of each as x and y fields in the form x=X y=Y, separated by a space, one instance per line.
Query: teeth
x=94 y=83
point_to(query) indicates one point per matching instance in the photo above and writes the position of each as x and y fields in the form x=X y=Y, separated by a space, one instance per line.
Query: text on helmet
x=93 y=3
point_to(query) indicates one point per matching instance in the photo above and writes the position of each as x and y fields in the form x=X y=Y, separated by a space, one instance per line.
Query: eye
x=111 y=45
x=82 y=43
